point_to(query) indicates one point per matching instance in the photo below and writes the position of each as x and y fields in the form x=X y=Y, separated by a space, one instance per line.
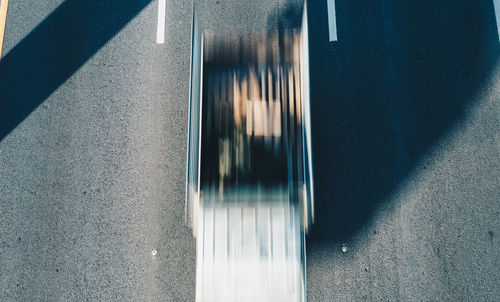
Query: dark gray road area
x=406 y=149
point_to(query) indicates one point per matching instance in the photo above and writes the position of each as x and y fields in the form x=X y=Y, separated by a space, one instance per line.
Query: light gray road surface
x=406 y=143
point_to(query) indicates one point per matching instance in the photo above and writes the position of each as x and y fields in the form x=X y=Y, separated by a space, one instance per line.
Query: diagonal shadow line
x=56 y=49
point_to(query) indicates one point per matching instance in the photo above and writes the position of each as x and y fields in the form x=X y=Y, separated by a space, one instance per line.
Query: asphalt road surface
x=406 y=149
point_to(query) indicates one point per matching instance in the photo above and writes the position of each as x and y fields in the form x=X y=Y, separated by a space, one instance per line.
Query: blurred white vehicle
x=249 y=197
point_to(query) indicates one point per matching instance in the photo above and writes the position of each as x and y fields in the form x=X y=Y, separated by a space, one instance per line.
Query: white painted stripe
x=160 y=29
x=496 y=3
x=332 y=20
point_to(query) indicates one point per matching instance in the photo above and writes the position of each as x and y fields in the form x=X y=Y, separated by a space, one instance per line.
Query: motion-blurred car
x=249 y=188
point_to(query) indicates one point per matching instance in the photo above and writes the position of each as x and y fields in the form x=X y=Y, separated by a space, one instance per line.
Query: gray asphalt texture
x=406 y=147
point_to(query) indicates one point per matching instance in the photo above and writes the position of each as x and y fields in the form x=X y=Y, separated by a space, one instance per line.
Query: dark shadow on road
x=56 y=49
x=399 y=78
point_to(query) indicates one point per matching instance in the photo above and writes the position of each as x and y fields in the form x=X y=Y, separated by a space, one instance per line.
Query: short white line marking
x=496 y=4
x=160 y=29
x=332 y=20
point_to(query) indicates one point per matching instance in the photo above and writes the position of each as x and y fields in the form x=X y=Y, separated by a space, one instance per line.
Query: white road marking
x=332 y=20
x=160 y=29
x=496 y=4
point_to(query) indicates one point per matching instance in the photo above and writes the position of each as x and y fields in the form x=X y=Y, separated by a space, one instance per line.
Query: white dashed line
x=160 y=29
x=332 y=20
x=496 y=4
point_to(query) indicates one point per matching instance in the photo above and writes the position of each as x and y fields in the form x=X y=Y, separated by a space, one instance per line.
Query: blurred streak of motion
x=249 y=197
